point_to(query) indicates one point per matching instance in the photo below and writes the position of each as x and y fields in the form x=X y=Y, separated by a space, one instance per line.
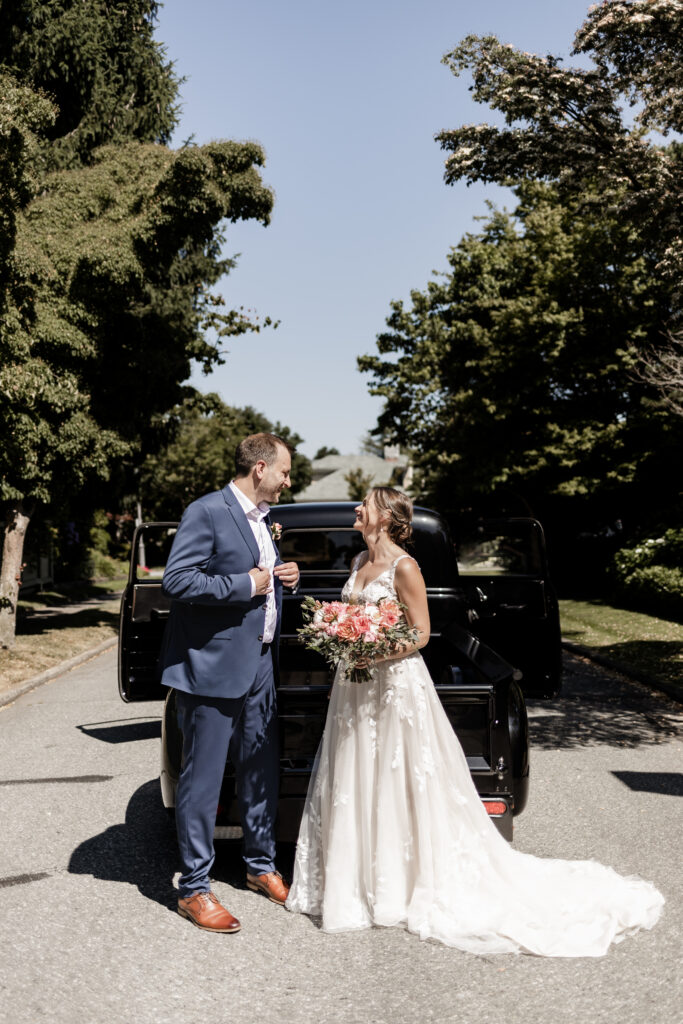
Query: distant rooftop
x=328 y=482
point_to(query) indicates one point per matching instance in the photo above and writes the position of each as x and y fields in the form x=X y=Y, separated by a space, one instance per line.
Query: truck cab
x=475 y=655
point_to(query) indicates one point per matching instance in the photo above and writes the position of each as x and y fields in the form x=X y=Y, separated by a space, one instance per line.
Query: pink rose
x=334 y=610
x=390 y=613
x=348 y=629
x=363 y=623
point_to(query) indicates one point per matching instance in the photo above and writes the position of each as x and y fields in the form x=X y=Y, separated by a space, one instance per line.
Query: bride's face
x=368 y=516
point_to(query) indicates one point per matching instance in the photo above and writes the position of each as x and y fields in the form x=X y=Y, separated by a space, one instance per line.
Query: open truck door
x=503 y=569
x=144 y=612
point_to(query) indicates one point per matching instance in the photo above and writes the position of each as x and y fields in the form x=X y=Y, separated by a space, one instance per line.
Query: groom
x=225 y=577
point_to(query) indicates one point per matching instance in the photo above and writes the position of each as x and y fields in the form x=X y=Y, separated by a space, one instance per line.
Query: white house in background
x=329 y=483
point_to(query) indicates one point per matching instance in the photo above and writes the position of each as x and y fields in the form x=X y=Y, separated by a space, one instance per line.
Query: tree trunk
x=17 y=522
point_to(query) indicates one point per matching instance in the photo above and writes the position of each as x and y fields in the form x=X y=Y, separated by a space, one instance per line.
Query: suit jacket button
x=260 y=638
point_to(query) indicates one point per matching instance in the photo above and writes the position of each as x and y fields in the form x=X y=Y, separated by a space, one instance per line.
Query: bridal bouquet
x=355 y=633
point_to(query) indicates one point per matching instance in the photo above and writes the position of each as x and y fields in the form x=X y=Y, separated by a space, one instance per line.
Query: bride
x=393 y=830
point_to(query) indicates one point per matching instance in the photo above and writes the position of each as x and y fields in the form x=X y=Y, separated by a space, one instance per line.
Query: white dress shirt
x=256 y=515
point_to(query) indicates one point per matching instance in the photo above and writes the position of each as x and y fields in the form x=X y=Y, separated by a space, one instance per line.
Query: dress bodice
x=382 y=585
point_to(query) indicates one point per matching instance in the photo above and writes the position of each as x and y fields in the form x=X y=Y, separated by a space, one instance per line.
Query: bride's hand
x=365 y=663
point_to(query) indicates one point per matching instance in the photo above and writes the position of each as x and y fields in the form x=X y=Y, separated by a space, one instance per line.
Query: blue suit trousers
x=244 y=728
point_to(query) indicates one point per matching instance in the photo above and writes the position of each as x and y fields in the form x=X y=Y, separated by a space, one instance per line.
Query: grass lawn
x=649 y=647
x=55 y=625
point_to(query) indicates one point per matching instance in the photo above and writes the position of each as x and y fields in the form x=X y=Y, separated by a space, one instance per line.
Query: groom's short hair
x=257 y=448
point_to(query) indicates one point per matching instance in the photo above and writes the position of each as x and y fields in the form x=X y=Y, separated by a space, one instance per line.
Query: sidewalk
x=53 y=636
x=10 y=695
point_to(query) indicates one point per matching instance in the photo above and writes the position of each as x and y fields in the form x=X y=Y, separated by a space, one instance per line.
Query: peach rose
x=390 y=612
x=348 y=630
x=364 y=623
x=333 y=610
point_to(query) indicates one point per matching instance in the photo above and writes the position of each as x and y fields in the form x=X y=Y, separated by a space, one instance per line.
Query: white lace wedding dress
x=394 y=833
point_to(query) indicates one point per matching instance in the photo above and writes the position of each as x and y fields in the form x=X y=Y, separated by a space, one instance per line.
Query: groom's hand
x=287 y=573
x=261 y=578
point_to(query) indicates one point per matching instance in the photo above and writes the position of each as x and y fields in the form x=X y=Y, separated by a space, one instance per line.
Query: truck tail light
x=495 y=806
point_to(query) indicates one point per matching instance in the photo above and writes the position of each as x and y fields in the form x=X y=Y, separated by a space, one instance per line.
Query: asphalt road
x=87 y=906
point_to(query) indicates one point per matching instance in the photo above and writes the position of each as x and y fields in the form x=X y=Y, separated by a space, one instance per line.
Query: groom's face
x=275 y=477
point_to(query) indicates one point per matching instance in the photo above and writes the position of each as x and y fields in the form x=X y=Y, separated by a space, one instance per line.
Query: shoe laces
x=206 y=897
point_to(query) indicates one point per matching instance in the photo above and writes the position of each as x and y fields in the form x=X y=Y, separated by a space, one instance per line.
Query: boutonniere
x=276 y=531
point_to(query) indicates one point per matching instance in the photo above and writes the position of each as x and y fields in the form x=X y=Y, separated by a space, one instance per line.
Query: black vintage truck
x=495 y=636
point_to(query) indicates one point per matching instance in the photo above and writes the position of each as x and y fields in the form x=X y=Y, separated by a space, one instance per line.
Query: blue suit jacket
x=214 y=633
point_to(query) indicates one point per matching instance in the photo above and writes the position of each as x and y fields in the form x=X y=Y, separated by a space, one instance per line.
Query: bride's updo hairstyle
x=400 y=509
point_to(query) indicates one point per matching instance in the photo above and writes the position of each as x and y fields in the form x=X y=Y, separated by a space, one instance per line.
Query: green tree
x=110 y=257
x=359 y=484
x=27 y=388
x=115 y=263
x=371 y=444
x=199 y=456
x=529 y=375
x=99 y=63
x=509 y=377
x=573 y=126
x=24 y=115
x=323 y=452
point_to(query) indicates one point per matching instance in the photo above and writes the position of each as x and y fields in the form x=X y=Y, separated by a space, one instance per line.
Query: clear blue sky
x=346 y=99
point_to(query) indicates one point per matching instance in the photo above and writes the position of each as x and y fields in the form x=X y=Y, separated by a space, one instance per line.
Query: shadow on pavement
x=601 y=707
x=229 y=866
x=667 y=783
x=34 y=625
x=124 y=732
x=143 y=852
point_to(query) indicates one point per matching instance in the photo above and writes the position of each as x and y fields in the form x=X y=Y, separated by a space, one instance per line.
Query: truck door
x=144 y=611
x=503 y=569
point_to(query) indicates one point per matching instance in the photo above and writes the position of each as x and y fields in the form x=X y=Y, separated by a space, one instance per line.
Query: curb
x=673 y=690
x=9 y=696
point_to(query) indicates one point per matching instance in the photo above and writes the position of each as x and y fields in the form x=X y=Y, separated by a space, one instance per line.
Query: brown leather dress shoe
x=204 y=910
x=271 y=885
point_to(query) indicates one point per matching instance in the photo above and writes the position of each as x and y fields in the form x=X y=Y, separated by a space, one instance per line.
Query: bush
x=649 y=576
x=100 y=566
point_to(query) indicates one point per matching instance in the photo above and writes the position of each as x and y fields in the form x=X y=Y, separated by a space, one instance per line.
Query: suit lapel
x=242 y=524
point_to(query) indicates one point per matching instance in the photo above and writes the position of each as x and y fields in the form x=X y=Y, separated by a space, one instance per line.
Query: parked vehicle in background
x=494 y=631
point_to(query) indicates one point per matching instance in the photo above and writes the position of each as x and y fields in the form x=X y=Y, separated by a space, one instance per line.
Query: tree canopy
x=116 y=262
x=110 y=252
x=510 y=379
x=199 y=456
x=100 y=65
x=534 y=374
x=598 y=132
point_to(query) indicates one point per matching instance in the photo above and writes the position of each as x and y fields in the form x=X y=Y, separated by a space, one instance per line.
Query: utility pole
x=142 y=558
